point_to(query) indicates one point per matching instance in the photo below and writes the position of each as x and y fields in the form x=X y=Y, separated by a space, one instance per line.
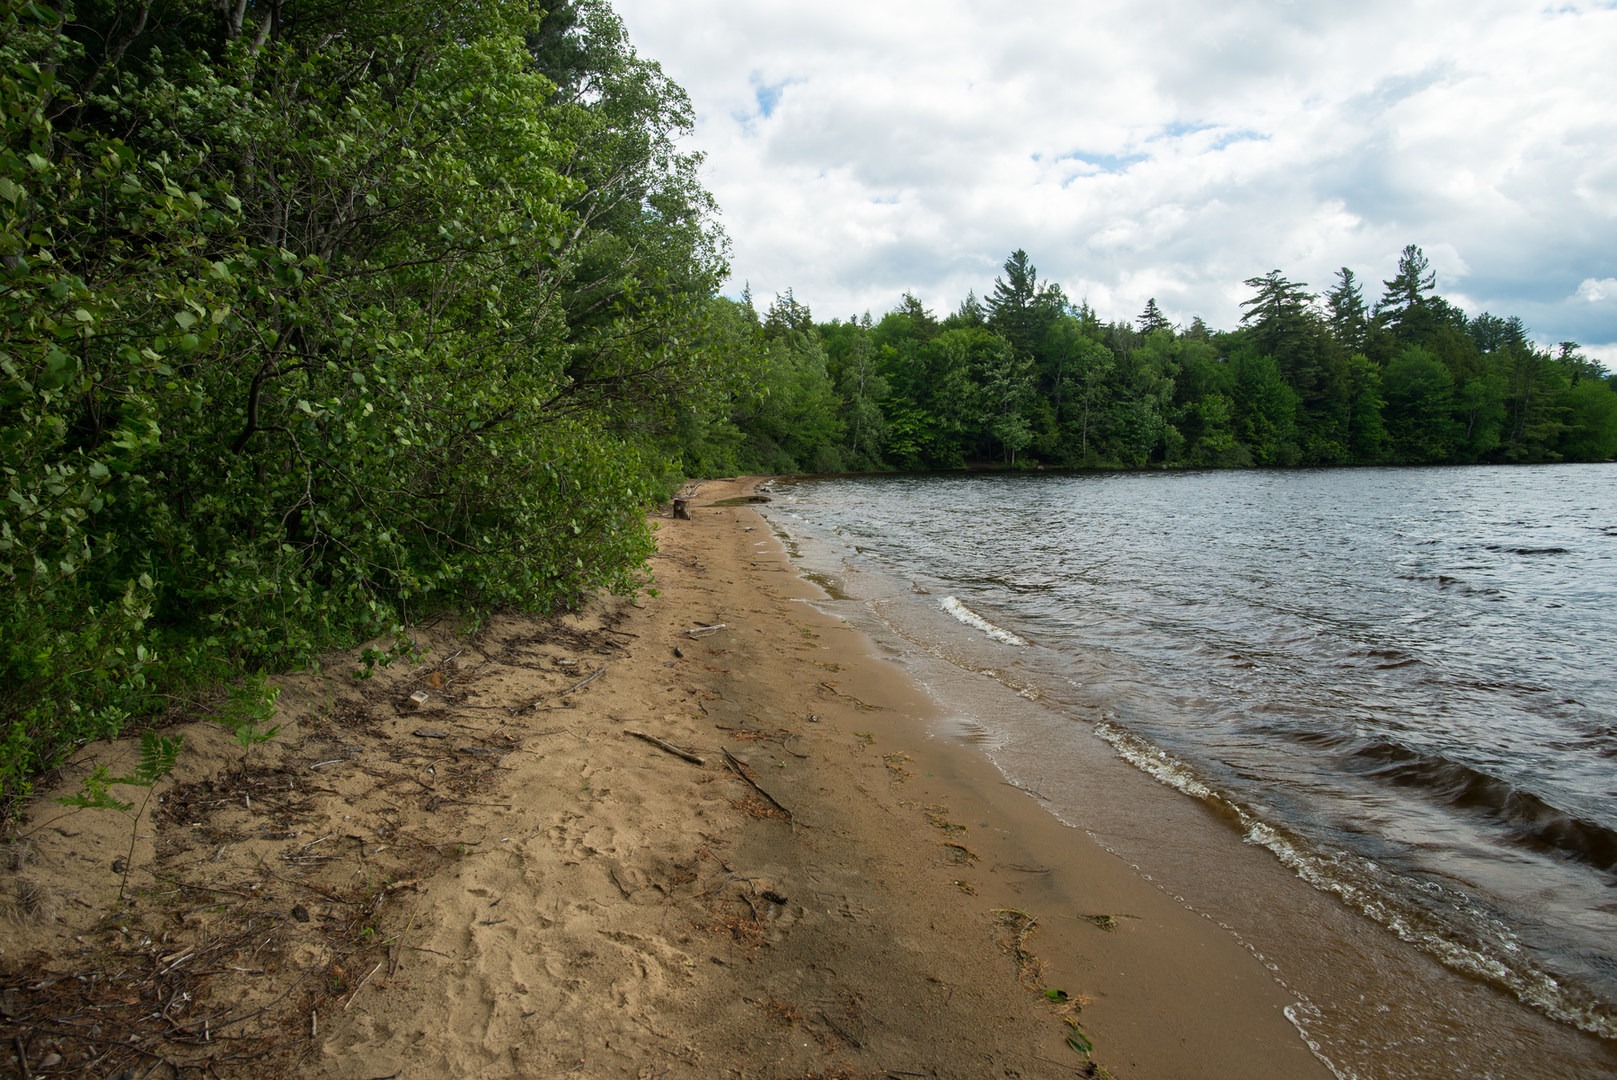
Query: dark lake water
x=1398 y=683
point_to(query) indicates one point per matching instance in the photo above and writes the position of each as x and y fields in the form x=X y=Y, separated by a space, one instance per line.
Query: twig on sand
x=361 y=986
x=865 y=705
x=741 y=771
x=834 y=1026
x=666 y=746
x=704 y=631
x=580 y=685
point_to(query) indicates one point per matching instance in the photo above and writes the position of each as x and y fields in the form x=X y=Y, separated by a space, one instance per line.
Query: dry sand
x=504 y=880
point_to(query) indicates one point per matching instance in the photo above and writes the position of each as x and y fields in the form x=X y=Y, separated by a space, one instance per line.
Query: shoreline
x=479 y=866
x=1375 y=997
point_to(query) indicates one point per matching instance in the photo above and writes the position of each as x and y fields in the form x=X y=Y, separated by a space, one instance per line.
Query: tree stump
x=680 y=512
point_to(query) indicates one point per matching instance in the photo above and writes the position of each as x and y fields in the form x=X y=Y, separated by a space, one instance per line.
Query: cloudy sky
x=1166 y=148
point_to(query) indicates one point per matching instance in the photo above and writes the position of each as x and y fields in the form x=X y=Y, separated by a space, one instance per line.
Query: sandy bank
x=505 y=880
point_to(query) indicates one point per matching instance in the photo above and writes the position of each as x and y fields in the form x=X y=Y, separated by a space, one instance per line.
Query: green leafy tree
x=862 y=389
x=969 y=315
x=1141 y=428
x=1209 y=427
x=315 y=318
x=1093 y=393
x=1007 y=394
x=793 y=417
x=1420 y=407
x=1535 y=386
x=1591 y=433
x=1266 y=408
x=957 y=360
x=1367 y=433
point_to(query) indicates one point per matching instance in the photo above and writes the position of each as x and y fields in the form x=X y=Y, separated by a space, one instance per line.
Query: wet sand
x=478 y=865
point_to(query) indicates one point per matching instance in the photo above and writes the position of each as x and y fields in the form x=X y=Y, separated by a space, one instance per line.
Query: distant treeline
x=1026 y=376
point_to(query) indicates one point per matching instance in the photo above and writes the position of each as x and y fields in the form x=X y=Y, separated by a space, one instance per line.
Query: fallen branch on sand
x=667 y=747
x=741 y=771
x=580 y=685
x=704 y=631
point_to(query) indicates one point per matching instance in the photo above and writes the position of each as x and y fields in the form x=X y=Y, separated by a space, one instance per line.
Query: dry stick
x=666 y=746
x=849 y=1039
x=580 y=685
x=395 y=954
x=361 y=986
x=703 y=631
x=736 y=766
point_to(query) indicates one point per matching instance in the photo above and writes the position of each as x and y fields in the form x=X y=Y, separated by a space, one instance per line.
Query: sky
x=1167 y=149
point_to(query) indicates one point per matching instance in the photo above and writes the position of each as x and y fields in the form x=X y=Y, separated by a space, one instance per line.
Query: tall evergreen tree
x=1152 y=319
x=1010 y=304
x=1284 y=325
x=970 y=313
x=1278 y=314
x=1349 y=315
x=1405 y=308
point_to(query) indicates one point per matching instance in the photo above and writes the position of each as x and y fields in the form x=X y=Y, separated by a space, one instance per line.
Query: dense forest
x=1028 y=377
x=319 y=316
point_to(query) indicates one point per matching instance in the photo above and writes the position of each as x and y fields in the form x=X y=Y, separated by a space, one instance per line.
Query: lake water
x=1397 y=684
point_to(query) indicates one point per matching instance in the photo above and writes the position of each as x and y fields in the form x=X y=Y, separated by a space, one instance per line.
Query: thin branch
x=667 y=746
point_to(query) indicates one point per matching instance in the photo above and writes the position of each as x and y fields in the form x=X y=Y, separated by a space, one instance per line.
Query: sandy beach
x=705 y=834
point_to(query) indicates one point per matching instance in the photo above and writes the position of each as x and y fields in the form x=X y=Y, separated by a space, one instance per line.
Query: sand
x=476 y=863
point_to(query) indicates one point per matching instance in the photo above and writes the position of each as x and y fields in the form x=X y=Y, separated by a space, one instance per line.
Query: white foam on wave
x=960 y=611
x=1363 y=885
x=1154 y=761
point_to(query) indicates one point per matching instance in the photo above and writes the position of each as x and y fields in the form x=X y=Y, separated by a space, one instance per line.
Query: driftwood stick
x=666 y=746
x=580 y=685
x=361 y=986
x=741 y=771
x=703 y=631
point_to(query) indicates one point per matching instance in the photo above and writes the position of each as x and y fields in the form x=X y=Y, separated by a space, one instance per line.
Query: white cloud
x=1596 y=290
x=1171 y=149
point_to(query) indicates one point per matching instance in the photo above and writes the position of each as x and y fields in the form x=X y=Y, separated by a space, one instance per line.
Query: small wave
x=1532 y=820
x=1389 y=659
x=1502 y=549
x=963 y=613
x=1154 y=761
x=1492 y=953
x=1477 y=944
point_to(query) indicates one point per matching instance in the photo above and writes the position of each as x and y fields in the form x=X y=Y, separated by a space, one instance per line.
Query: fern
x=245 y=711
x=158 y=755
x=93 y=793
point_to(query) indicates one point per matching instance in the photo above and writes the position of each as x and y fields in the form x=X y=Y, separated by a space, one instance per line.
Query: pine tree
x=1406 y=307
x=1152 y=319
x=1349 y=316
